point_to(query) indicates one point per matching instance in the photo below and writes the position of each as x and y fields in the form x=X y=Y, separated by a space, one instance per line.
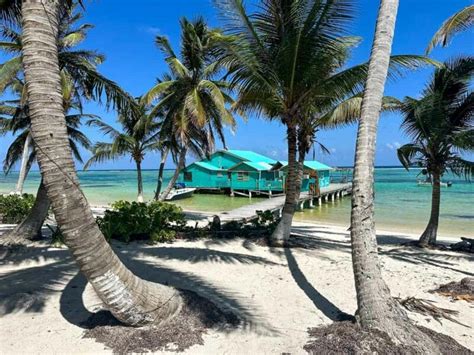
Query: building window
x=242 y=176
x=188 y=176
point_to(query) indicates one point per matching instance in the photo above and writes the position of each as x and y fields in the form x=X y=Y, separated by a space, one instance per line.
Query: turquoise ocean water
x=401 y=205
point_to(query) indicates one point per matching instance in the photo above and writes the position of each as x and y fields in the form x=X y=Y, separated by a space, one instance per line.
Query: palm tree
x=190 y=98
x=289 y=61
x=30 y=227
x=130 y=299
x=79 y=80
x=440 y=124
x=139 y=135
x=376 y=308
x=459 y=22
x=79 y=76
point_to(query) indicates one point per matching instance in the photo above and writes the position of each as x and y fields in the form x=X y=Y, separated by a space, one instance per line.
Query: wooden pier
x=275 y=204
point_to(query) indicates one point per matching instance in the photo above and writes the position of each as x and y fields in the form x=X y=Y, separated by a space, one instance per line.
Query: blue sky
x=125 y=34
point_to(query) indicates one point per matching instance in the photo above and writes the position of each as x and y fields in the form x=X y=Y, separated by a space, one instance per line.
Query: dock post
x=301 y=205
x=269 y=193
x=250 y=194
x=311 y=203
x=332 y=197
x=232 y=193
x=320 y=201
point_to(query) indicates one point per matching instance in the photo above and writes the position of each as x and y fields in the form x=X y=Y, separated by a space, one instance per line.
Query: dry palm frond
x=427 y=308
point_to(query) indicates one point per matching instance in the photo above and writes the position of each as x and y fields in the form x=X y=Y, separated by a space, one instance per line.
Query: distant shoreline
x=172 y=169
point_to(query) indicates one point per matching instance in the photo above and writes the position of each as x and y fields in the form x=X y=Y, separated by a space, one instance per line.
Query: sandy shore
x=279 y=293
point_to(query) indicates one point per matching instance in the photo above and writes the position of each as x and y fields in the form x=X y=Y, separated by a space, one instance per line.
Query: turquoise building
x=241 y=170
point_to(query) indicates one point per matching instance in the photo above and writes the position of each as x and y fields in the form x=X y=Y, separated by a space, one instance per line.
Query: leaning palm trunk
x=139 y=181
x=376 y=308
x=24 y=166
x=174 y=178
x=429 y=235
x=129 y=298
x=30 y=227
x=164 y=155
x=293 y=187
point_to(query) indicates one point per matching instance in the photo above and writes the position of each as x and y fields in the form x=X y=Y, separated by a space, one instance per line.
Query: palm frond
x=458 y=22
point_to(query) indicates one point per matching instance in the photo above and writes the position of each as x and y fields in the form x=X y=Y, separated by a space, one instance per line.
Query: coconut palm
x=22 y=148
x=139 y=136
x=129 y=298
x=376 y=308
x=79 y=76
x=459 y=22
x=190 y=98
x=441 y=126
x=288 y=60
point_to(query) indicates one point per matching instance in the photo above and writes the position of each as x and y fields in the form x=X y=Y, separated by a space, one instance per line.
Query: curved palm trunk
x=129 y=298
x=24 y=166
x=293 y=187
x=159 y=184
x=376 y=308
x=30 y=227
x=429 y=235
x=139 y=181
x=174 y=178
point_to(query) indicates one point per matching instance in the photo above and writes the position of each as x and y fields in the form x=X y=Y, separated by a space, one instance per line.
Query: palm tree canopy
x=459 y=22
x=441 y=122
x=139 y=135
x=289 y=58
x=191 y=100
x=77 y=66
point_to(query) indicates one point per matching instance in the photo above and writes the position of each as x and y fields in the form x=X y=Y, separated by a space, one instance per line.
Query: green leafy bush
x=154 y=221
x=14 y=208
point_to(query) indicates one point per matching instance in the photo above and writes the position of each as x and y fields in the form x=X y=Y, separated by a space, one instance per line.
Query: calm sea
x=401 y=204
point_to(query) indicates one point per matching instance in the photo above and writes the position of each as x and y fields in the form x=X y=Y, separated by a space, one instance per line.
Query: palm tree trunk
x=130 y=299
x=293 y=187
x=30 y=227
x=376 y=308
x=139 y=181
x=174 y=178
x=164 y=155
x=24 y=166
x=429 y=235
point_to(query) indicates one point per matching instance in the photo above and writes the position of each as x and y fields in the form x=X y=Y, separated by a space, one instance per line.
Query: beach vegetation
x=459 y=22
x=440 y=125
x=129 y=221
x=289 y=62
x=191 y=100
x=14 y=208
x=129 y=298
x=139 y=135
x=377 y=310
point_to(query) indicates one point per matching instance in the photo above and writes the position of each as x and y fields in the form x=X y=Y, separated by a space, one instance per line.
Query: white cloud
x=150 y=29
x=397 y=145
x=390 y=146
x=333 y=150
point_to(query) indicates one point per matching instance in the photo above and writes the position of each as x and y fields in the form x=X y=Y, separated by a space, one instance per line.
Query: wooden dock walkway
x=275 y=204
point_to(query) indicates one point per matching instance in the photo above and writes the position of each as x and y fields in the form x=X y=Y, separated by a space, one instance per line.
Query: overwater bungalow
x=247 y=172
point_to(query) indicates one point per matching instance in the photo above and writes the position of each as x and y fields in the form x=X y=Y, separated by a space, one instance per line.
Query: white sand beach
x=279 y=293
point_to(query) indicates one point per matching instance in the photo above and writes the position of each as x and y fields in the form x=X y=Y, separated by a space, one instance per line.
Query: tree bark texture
x=130 y=299
x=376 y=308
x=429 y=235
x=174 y=178
x=24 y=166
x=30 y=227
x=164 y=156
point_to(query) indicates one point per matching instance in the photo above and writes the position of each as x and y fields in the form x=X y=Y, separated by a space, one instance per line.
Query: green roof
x=259 y=166
x=311 y=164
x=250 y=156
x=205 y=165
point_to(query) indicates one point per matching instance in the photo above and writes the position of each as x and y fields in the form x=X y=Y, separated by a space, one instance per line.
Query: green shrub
x=154 y=221
x=57 y=237
x=14 y=208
